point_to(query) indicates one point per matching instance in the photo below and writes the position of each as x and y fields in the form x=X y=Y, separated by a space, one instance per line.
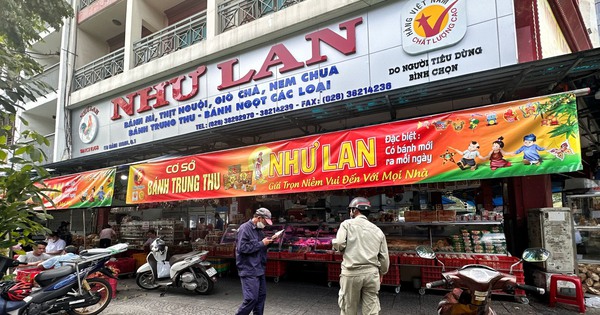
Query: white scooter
x=190 y=271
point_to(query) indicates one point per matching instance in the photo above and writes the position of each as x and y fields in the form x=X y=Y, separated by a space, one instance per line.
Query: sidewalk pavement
x=294 y=295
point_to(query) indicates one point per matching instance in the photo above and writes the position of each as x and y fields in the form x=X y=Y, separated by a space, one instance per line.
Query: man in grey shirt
x=33 y=257
x=365 y=260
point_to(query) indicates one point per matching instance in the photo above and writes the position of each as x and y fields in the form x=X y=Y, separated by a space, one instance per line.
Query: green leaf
x=22 y=22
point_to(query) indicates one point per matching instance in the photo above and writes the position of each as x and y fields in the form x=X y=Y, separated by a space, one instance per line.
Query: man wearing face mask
x=365 y=260
x=251 y=260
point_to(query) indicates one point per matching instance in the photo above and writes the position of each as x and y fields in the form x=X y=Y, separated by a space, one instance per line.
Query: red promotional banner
x=526 y=137
x=82 y=190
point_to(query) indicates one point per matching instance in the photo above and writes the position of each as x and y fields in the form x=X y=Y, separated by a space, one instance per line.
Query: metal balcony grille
x=175 y=37
x=234 y=13
x=84 y=3
x=99 y=69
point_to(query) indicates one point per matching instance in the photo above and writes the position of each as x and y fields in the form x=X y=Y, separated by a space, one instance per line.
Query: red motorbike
x=472 y=285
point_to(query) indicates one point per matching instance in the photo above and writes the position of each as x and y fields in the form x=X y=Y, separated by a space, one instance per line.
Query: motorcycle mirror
x=425 y=252
x=537 y=254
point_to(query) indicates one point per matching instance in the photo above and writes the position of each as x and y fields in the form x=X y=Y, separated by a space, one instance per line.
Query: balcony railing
x=84 y=3
x=175 y=37
x=237 y=12
x=99 y=69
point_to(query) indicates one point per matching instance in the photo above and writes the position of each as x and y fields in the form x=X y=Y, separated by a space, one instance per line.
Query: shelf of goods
x=312 y=242
x=431 y=270
x=586 y=214
x=457 y=244
x=391 y=278
x=483 y=237
x=134 y=232
x=215 y=250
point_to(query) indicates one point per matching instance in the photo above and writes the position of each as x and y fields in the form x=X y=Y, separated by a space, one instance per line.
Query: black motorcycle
x=65 y=288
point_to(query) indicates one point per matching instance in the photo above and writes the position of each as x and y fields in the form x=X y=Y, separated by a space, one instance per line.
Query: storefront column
x=485 y=196
x=245 y=207
x=524 y=193
x=102 y=219
x=436 y=200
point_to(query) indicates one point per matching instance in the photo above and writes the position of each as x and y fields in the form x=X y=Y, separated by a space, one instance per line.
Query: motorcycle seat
x=51 y=274
x=177 y=258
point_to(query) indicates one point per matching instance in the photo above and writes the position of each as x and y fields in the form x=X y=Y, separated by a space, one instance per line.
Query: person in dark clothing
x=251 y=260
x=218 y=222
x=151 y=234
x=64 y=232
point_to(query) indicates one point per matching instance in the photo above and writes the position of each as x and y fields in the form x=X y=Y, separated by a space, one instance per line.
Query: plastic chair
x=555 y=296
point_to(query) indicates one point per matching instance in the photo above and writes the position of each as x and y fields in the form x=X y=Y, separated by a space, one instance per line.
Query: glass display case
x=586 y=214
x=134 y=232
x=476 y=237
x=229 y=234
x=473 y=237
x=307 y=237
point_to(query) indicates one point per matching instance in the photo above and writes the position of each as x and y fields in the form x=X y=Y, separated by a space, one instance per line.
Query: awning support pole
x=84 y=236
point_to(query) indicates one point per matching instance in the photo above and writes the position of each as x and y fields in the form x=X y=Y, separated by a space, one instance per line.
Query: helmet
x=158 y=245
x=19 y=291
x=360 y=203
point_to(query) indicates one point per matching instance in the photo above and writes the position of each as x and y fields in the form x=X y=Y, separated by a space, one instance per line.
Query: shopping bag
x=163 y=268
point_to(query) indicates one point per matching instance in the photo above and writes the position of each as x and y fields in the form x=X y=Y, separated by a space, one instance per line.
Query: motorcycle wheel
x=145 y=280
x=205 y=284
x=98 y=288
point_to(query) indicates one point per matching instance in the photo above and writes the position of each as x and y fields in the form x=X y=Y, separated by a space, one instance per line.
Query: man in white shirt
x=55 y=244
x=106 y=236
x=33 y=257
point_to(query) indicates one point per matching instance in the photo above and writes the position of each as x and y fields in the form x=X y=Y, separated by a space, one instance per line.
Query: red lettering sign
x=154 y=96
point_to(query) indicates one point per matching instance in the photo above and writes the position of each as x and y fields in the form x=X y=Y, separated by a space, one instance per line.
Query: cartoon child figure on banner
x=496 y=156
x=468 y=156
x=530 y=150
x=100 y=193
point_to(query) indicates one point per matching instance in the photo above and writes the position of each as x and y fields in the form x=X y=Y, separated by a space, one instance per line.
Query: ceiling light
x=123 y=177
x=116 y=22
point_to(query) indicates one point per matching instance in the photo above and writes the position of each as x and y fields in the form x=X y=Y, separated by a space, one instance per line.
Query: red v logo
x=427 y=28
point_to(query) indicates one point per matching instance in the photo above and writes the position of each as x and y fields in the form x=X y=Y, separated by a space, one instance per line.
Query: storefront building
x=203 y=106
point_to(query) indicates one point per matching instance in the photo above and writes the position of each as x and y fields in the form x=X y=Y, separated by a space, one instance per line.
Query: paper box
x=412 y=216
x=428 y=216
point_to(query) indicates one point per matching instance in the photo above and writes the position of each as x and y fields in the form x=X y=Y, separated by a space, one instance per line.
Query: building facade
x=138 y=80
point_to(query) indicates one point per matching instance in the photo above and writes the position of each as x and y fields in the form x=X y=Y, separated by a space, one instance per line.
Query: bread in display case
x=134 y=232
x=476 y=237
x=586 y=216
